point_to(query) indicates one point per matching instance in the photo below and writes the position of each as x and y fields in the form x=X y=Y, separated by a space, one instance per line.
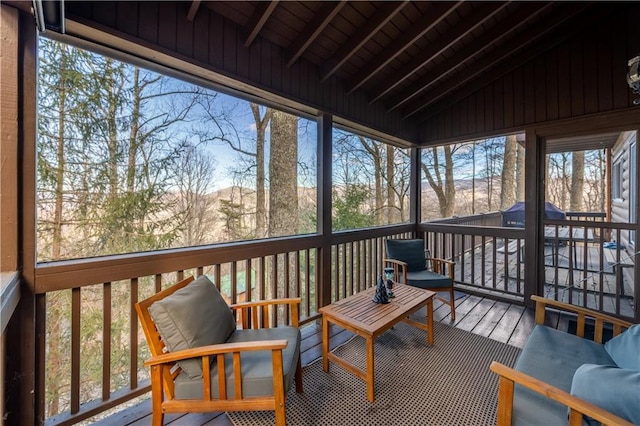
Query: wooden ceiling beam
x=519 y=18
x=260 y=16
x=327 y=12
x=577 y=22
x=364 y=34
x=509 y=48
x=193 y=9
x=448 y=39
x=435 y=15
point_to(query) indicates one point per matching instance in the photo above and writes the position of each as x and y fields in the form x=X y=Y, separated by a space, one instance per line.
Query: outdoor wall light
x=49 y=15
x=633 y=77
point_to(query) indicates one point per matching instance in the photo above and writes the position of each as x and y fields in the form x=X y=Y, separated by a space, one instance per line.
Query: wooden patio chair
x=412 y=264
x=201 y=361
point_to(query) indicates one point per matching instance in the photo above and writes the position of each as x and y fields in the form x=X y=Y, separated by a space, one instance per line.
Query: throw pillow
x=193 y=316
x=624 y=349
x=616 y=390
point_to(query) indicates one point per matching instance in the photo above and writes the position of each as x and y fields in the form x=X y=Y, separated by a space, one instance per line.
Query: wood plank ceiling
x=416 y=57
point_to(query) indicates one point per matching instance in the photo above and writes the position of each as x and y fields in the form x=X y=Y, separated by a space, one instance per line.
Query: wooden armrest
x=399 y=267
x=581 y=406
x=441 y=265
x=600 y=318
x=439 y=260
x=222 y=348
x=395 y=261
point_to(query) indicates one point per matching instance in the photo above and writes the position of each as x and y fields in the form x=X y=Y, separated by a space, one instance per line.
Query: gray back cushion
x=625 y=348
x=193 y=316
x=409 y=251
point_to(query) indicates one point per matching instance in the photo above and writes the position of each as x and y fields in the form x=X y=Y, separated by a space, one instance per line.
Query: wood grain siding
x=582 y=76
x=620 y=206
x=9 y=151
x=215 y=43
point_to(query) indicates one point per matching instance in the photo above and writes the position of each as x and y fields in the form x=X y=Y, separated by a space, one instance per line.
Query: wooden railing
x=582 y=263
x=487 y=257
x=588 y=216
x=89 y=320
x=89 y=305
x=483 y=219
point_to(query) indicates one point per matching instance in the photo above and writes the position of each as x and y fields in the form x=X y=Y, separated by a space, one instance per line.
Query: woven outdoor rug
x=415 y=384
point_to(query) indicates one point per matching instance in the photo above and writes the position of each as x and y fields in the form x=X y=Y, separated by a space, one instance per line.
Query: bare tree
x=374 y=151
x=558 y=182
x=520 y=173
x=439 y=174
x=261 y=128
x=283 y=171
x=507 y=196
x=577 y=181
x=193 y=177
x=393 y=212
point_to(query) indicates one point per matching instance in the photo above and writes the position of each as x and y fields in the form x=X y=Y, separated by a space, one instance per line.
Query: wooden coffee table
x=360 y=315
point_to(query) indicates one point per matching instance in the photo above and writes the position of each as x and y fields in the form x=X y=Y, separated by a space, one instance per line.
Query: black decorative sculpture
x=388 y=273
x=381 y=292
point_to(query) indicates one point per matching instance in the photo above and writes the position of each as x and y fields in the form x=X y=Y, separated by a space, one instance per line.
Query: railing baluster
x=233 y=282
x=106 y=341
x=261 y=278
x=217 y=276
x=158 y=282
x=274 y=285
x=483 y=260
x=335 y=288
x=307 y=281
x=343 y=269
x=248 y=279
x=133 y=336
x=75 y=349
x=518 y=263
x=351 y=269
x=286 y=281
x=601 y=268
x=494 y=273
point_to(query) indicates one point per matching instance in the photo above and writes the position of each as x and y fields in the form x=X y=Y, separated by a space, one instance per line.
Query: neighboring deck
x=504 y=322
x=606 y=281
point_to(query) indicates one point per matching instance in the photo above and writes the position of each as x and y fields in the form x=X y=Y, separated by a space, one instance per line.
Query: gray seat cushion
x=552 y=356
x=428 y=279
x=257 y=373
x=194 y=316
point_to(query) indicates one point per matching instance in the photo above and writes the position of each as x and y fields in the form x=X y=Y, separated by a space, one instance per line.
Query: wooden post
x=415 y=190
x=534 y=215
x=9 y=139
x=325 y=224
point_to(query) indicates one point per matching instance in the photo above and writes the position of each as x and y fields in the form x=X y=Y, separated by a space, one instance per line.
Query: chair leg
x=452 y=302
x=157 y=416
x=281 y=419
x=299 y=376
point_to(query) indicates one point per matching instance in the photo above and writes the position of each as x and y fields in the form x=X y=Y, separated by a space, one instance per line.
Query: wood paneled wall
x=216 y=44
x=584 y=75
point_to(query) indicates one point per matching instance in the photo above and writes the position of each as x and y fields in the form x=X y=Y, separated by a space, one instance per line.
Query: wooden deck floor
x=504 y=322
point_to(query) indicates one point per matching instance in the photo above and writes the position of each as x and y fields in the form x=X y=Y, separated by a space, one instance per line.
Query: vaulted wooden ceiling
x=415 y=57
